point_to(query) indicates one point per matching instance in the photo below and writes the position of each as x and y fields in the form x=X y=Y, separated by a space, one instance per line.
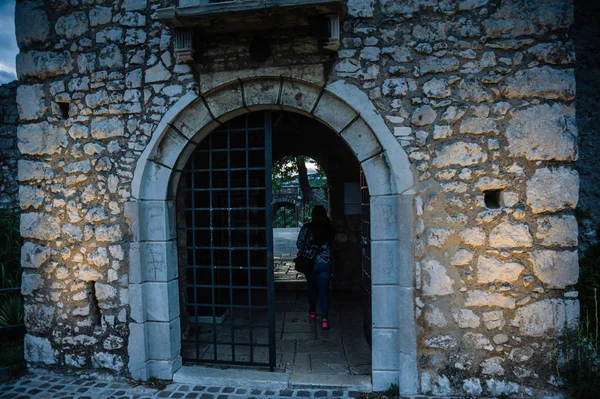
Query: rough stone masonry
x=479 y=93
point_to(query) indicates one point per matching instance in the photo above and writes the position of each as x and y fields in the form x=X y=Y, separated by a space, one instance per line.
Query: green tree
x=292 y=169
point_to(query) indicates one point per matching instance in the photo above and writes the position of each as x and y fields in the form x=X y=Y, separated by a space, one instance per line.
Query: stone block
x=153 y=261
x=557 y=230
x=386 y=255
x=462 y=154
x=137 y=302
x=384 y=217
x=398 y=87
x=193 y=119
x=34 y=255
x=299 y=96
x=466 y=318
x=557 y=269
x=544 y=82
x=547 y=318
x=39 y=350
x=377 y=172
x=157 y=178
x=30 y=101
x=261 y=92
x=42 y=65
x=437 y=88
x=478 y=126
x=162 y=300
x=490 y=270
x=438 y=65
x=100 y=15
x=164 y=339
x=157 y=73
x=385 y=349
x=169 y=149
x=131 y=210
x=334 y=113
x=543 y=132
x=164 y=369
x=361 y=8
x=509 y=235
x=424 y=115
x=553 y=189
x=31 y=196
x=30 y=282
x=31 y=23
x=157 y=220
x=435 y=281
x=106 y=128
x=478 y=298
x=361 y=140
x=137 y=352
x=226 y=102
x=110 y=56
x=110 y=361
x=41 y=226
x=41 y=138
x=72 y=25
x=385 y=305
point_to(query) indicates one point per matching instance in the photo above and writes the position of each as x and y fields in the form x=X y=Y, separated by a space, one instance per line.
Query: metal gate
x=365 y=206
x=226 y=246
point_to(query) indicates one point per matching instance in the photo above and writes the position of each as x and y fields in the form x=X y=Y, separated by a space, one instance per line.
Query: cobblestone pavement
x=58 y=387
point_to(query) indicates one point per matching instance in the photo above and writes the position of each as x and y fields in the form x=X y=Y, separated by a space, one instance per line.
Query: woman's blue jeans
x=318 y=284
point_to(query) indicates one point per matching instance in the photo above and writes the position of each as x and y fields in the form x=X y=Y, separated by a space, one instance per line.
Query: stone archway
x=154 y=342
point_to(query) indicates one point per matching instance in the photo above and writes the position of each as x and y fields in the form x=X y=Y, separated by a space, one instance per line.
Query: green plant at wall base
x=11 y=311
x=581 y=369
x=589 y=284
x=11 y=302
x=10 y=250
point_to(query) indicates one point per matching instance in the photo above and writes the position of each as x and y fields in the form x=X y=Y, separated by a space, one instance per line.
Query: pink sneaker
x=312 y=315
x=324 y=325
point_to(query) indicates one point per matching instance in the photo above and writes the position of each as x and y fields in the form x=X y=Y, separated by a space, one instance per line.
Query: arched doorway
x=155 y=331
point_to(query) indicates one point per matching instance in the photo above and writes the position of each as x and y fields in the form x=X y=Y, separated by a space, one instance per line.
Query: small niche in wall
x=493 y=198
x=64 y=109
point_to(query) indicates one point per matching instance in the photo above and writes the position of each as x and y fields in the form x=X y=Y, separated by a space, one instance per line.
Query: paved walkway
x=46 y=386
x=301 y=346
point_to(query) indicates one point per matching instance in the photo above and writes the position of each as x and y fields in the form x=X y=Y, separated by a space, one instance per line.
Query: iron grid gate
x=226 y=245
x=365 y=207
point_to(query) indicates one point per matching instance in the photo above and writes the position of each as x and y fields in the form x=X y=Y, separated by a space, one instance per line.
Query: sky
x=8 y=42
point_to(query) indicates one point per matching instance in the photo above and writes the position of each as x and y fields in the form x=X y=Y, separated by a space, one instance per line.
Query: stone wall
x=587 y=75
x=480 y=94
x=9 y=154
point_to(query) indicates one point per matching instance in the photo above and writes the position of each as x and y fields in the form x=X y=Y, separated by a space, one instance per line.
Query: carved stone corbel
x=333 y=43
x=184 y=45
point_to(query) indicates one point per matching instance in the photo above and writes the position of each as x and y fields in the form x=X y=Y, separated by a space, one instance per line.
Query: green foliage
x=11 y=311
x=11 y=302
x=285 y=172
x=10 y=250
x=580 y=371
x=589 y=284
x=393 y=391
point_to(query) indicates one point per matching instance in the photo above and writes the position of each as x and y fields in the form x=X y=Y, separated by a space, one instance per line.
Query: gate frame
x=154 y=345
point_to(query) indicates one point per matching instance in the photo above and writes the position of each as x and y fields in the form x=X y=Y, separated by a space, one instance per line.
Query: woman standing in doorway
x=314 y=242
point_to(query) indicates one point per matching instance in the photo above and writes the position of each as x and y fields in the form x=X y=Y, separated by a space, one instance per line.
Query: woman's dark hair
x=321 y=227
